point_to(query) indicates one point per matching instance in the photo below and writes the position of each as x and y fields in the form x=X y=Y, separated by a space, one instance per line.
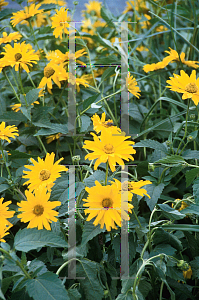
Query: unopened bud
x=75 y=2
x=189 y=138
x=76 y=158
x=183 y=265
x=192 y=116
x=151 y=167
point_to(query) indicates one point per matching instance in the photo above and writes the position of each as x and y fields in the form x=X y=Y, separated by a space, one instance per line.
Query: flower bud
x=151 y=167
x=76 y=158
x=75 y=2
x=192 y=116
x=189 y=138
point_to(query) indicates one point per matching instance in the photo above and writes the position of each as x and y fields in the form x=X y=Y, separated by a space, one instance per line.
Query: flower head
x=22 y=55
x=187 y=274
x=53 y=137
x=104 y=203
x=94 y=6
x=60 y=22
x=7 y=132
x=111 y=146
x=3 y=232
x=131 y=85
x=13 y=36
x=2 y=4
x=133 y=187
x=5 y=213
x=76 y=81
x=99 y=124
x=37 y=210
x=188 y=86
x=26 y=13
x=183 y=204
x=44 y=172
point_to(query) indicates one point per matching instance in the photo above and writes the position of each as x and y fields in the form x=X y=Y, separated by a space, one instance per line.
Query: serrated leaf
x=47 y=286
x=52 y=128
x=12 y=116
x=151 y=144
x=190 y=176
x=26 y=111
x=32 y=96
x=90 y=231
x=85 y=123
x=97 y=175
x=173 y=159
x=31 y=238
x=170 y=212
x=154 y=191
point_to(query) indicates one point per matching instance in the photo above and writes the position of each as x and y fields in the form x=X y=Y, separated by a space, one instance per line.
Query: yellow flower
x=7 y=132
x=111 y=147
x=153 y=67
x=98 y=124
x=93 y=6
x=37 y=210
x=131 y=85
x=183 y=204
x=2 y=4
x=187 y=274
x=104 y=203
x=5 y=213
x=57 y=2
x=53 y=137
x=57 y=57
x=76 y=55
x=16 y=107
x=13 y=36
x=141 y=48
x=3 y=232
x=133 y=187
x=44 y=172
x=60 y=22
x=189 y=86
x=174 y=56
x=54 y=72
x=26 y=13
x=138 y=5
x=146 y=24
x=22 y=55
x=75 y=80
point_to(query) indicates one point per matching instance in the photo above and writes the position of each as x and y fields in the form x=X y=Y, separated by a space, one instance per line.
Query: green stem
x=17 y=262
x=4 y=158
x=185 y=132
x=41 y=143
x=65 y=264
x=109 y=294
x=88 y=170
x=106 y=173
x=6 y=76
x=137 y=218
x=159 y=181
x=31 y=80
x=33 y=33
x=22 y=89
x=161 y=290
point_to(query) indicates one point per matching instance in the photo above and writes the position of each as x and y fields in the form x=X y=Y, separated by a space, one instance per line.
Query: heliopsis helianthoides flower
x=53 y=137
x=44 y=172
x=187 y=274
x=7 y=132
x=104 y=203
x=2 y=4
x=138 y=5
x=26 y=13
x=76 y=55
x=3 y=232
x=75 y=80
x=17 y=107
x=93 y=7
x=183 y=204
x=22 y=55
x=5 y=213
x=111 y=146
x=37 y=210
x=60 y=22
x=57 y=2
x=133 y=187
x=56 y=57
x=13 y=36
x=54 y=72
x=156 y=66
x=188 y=86
x=99 y=124
x=132 y=86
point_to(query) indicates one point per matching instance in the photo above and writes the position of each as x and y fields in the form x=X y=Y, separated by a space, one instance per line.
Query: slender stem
x=4 y=158
x=88 y=170
x=159 y=181
x=6 y=76
x=31 y=80
x=41 y=143
x=65 y=264
x=109 y=294
x=22 y=89
x=185 y=132
x=18 y=190
x=137 y=218
x=106 y=173
x=161 y=290
x=17 y=262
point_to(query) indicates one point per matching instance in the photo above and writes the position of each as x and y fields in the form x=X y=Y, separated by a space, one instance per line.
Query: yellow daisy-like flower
x=98 y=124
x=3 y=232
x=133 y=187
x=16 y=107
x=138 y=5
x=54 y=72
x=188 y=86
x=2 y=4
x=22 y=55
x=57 y=57
x=13 y=36
x=93 y=6
x=57 y=2
x=131 y=85
x=44 y=172
x=53 y=137
x=187 y=274
x=153 y=67
x=37 y=210
x=5 y=213
x=75 y=80
x=60 y=22
x=7 y=132
x=26 y=13
x=111 y=146
x=182 y=206
x=174 y=56
x=104 y=203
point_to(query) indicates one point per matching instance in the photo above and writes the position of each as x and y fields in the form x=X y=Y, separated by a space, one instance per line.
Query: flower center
x=48 y=71
x=191 y=87
x=107 y=202
x=18 y=56
x=38 y=210
x=44 y=174
x=109 y=149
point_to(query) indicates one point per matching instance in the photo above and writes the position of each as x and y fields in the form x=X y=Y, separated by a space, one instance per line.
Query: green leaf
x=90 y=284
x=105 y=42
x=182 y=227
x=90 y=231
x=97 y=175
x=1 y=293
x=190 y=176
x=163 y=237
x=85 y=123
x=53 y=128
x=154 y=191
x=47 y=286
x=74 y=294
x=4 y=187
x=163 y=248
x=15 y=154
x=107 y=73
x=173 y=159
x=170 y=212
x=26 y=111
x=111 y=59
x=151 y=144
x=87 y=102
x=7 y=13
x=31 y=238
x=196 y=190
x=108 y=16
x=192 y=209
x=32 y=96
x=190 y=154
x=12 y=116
